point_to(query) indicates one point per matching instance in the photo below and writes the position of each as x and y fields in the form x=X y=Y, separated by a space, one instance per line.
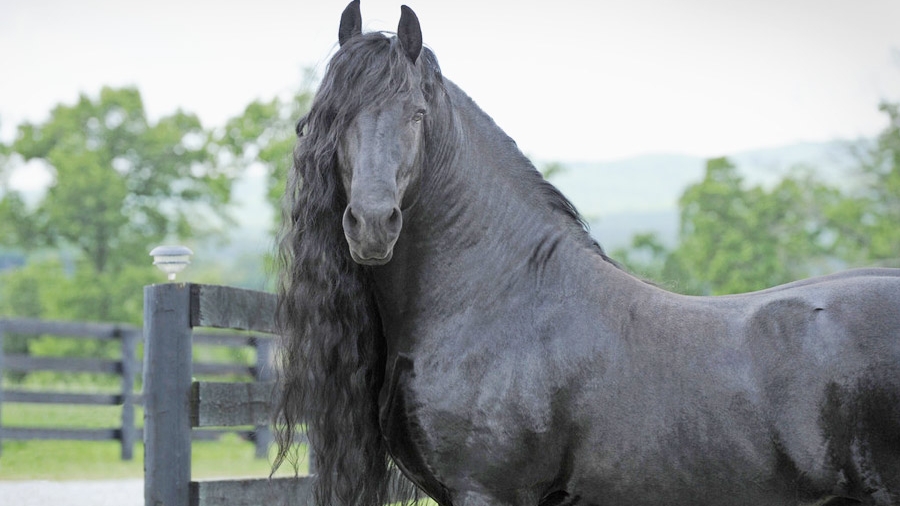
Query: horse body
x=515 y=364
x=607 y=388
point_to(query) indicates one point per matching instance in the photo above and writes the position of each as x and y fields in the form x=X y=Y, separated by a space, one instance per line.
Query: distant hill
x=637 y=195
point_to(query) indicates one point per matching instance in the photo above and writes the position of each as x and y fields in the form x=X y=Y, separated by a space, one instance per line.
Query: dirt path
x=72 y=493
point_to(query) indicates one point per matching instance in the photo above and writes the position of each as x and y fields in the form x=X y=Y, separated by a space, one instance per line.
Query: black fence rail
x=257 y=378
x=128 y=367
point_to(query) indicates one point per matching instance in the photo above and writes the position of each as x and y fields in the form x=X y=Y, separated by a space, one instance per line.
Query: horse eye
x=418 y=116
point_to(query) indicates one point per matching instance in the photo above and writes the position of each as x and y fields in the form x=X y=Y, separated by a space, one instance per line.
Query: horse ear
x=410 y=33
x=351 y=22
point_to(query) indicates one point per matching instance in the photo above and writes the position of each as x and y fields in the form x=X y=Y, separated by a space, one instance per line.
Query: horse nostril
x=395 y=220
x=351 y=222
x=395 y=216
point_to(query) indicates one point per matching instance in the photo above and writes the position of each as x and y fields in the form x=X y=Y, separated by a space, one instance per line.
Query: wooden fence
x=175 y=404
x=128 y=368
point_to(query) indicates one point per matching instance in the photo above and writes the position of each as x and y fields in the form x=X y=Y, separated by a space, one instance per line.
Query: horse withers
x=450 y=324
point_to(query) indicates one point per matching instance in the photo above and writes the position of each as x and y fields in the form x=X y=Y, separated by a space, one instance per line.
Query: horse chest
x=460 y=424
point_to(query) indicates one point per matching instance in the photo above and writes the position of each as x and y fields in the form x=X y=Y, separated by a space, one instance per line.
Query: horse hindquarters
x=828 y=355
x=861 y=418
x=862 y=431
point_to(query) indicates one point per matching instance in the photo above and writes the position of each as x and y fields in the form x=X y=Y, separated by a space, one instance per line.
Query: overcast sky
x=569 y=80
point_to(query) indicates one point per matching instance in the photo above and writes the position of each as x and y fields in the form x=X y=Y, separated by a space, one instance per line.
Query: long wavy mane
x=332 y=356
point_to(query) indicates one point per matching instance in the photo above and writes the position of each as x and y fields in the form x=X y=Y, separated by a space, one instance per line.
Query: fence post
x=263 y=372
x=167 y=388
x=129 y=337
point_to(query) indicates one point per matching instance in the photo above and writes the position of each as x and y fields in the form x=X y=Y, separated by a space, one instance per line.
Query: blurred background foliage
x=737 y=238
x=121 y=184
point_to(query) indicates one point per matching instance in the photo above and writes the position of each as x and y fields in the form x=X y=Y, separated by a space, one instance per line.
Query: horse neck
x=483 y=225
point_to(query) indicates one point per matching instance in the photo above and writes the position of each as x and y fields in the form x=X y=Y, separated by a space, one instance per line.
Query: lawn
x=229 y=457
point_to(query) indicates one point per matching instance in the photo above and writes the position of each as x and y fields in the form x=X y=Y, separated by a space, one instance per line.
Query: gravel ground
x=72 y=493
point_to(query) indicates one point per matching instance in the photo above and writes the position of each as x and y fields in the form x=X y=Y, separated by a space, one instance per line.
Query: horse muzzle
x=372 y=232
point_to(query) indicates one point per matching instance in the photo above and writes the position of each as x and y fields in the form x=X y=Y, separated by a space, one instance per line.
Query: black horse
x=474 y=335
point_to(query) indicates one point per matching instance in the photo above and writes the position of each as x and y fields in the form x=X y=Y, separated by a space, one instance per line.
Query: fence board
x=234 y=308
x=17 y=362
x=61 y=398
x=230 y=404
x=277 y=491
x=24 y=433
x=34 y=326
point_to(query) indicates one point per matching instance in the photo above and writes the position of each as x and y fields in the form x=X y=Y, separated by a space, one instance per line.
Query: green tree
x=868 y=219
x=13 y=226
x=737 y=239
x=264 y=135
x=262 y=138
x=121 y=185
x=649 y=258
x=734 y=238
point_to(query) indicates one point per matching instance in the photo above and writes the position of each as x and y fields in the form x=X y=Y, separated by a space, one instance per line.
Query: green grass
x=64 y=416
x=229 y=457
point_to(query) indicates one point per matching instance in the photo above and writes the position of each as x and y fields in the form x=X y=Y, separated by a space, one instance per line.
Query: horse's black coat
x=442 y=304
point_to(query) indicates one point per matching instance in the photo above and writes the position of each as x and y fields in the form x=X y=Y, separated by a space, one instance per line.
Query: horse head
x=379 y=153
